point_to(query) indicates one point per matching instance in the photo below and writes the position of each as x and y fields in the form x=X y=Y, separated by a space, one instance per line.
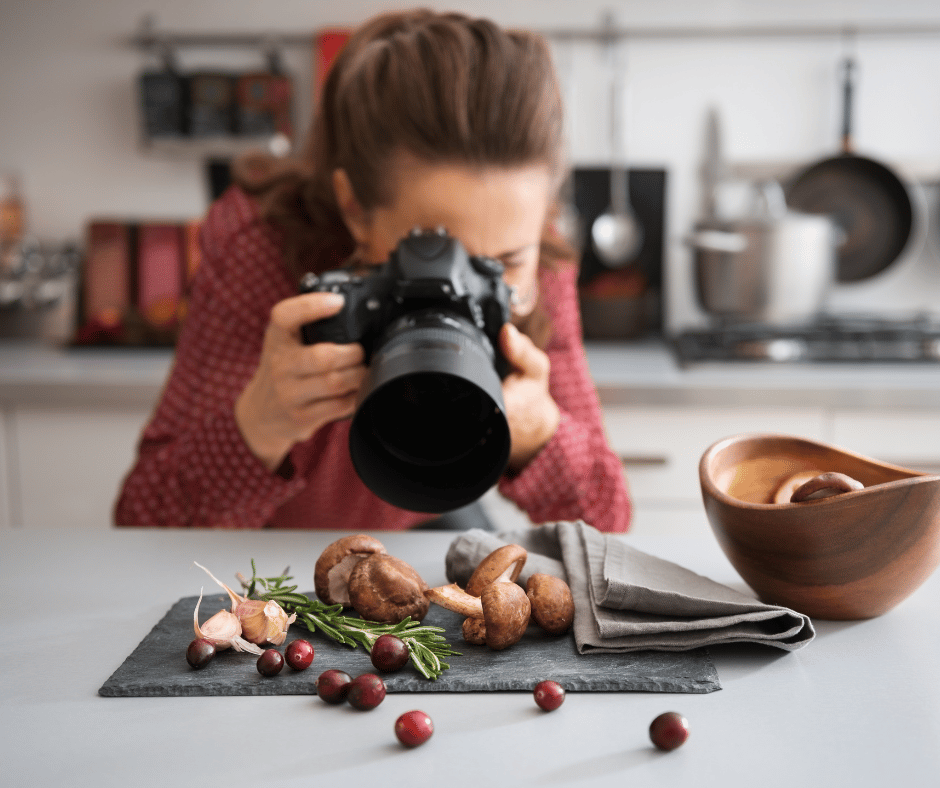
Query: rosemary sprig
x=426 y=645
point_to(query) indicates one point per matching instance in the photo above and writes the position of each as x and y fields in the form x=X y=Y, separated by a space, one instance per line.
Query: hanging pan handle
x=848 y=87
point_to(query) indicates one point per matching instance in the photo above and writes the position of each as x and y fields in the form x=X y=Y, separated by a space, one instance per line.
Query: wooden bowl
x=853 y=555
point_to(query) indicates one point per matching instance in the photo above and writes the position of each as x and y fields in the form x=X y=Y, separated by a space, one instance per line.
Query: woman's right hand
x=297 y=388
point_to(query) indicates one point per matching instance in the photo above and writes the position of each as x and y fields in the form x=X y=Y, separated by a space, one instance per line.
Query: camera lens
x=430 y=433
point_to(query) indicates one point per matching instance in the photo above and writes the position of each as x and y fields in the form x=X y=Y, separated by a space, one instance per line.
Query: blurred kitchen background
x=766 y=75
x=714 y=110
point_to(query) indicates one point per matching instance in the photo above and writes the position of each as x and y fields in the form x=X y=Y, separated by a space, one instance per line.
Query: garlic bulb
x=261 y=622
x=223 y=630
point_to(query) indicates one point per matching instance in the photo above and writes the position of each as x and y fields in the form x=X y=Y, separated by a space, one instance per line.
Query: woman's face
x=493 y=211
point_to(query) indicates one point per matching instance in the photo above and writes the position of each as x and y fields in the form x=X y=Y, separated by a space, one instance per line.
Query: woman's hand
x=532 y=413
x=297 y=388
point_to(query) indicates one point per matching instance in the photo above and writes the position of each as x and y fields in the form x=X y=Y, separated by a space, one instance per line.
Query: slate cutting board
x=158 y=667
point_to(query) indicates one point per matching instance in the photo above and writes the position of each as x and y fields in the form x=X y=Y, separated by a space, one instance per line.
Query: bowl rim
x=706 y=482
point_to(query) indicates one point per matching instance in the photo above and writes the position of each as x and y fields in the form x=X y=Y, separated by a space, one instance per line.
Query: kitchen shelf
x=150 y=37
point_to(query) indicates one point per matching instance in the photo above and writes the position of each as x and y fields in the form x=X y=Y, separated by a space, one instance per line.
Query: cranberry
x=366 y=691
x=549 y=695
x=413 y=728
x=669 y=730
x=270 y=662
x=390 y=653
x=299 y=654
x=200 y=653
x=332 y=685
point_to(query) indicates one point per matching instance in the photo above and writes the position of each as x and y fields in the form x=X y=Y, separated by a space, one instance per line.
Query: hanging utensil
x=617 y=234
x=871 y=204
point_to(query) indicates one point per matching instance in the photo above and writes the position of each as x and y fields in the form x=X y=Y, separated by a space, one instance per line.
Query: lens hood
x=430 y=432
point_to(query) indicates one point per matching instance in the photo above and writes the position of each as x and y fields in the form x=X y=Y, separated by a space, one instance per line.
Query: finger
x=522 y=353
x=321 y=412
x=328 y=356
x=291 y=313
x=329 y=385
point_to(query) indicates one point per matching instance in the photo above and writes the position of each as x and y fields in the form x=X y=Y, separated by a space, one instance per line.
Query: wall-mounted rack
x=149 y=37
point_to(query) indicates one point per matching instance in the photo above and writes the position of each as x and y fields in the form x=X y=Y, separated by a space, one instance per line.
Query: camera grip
x=330 y=329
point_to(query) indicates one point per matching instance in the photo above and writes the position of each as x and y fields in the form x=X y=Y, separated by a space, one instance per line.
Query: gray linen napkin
x=628 y=600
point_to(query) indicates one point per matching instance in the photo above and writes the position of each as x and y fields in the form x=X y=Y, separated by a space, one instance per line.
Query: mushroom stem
x=454 y=598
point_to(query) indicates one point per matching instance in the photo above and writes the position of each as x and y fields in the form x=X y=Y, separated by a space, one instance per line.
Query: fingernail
x=333 y=299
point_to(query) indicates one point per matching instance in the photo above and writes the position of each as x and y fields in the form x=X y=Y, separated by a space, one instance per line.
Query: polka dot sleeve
x=576 y=475
x=193 y=467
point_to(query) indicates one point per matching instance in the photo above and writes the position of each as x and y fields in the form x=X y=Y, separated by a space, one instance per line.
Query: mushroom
x=474 y=630
x=503 y=609
x=505 y=562
x=336 y=563
x=386 y=589
x=824 y=486
x=552 y=603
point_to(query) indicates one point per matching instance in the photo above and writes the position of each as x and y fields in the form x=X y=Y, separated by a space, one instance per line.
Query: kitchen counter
x=857 y=707
x=643 y=373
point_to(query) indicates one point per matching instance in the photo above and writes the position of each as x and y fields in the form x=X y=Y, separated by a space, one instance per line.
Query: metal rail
x=151 y=37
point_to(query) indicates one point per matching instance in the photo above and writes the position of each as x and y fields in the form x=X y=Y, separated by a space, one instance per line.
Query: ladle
x=617 y=234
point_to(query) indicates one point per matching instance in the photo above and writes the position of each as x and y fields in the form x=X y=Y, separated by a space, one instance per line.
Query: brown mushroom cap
x=552 y=603
x=335 y=564
x=506 y=610
x=386 y=589
x=508 y=558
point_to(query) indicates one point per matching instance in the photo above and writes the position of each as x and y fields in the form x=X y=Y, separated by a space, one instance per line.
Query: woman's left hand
x=532 y=413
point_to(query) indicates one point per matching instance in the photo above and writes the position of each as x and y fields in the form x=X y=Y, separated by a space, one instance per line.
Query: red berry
x=549 y=695
x=413 y=728
x=200 y=653
x=299 y=654
x=389 y=653
x=270 y=662
x=366 y=691
x=332 y=685
x=669 y=730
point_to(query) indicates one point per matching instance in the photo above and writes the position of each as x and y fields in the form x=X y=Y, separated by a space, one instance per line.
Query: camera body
x=428 y=272
x=429 y=432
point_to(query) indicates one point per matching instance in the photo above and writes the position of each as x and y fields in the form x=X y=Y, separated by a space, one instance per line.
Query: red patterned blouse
x=194 y=469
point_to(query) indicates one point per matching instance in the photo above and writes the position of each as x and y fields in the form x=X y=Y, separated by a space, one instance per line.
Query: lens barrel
x=430 y=432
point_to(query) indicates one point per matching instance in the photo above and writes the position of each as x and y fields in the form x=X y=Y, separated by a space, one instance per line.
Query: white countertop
x=859 y=707
x=626 y=373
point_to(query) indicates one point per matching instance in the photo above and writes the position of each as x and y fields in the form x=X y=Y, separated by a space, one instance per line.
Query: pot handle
x=771 y=202
x=718 y=241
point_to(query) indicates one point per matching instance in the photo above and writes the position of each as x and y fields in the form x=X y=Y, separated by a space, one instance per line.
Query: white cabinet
x=907 y=438
x=6 y=473
x=660 y=448
x=71 y=462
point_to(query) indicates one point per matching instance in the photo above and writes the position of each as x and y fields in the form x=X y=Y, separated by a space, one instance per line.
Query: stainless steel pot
x=775 y=268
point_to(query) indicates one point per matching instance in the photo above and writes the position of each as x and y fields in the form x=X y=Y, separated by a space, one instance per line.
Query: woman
x=425 y=120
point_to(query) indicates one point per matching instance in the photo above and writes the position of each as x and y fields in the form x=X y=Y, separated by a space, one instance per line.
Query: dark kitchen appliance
x=869 y=202
x=842 y=339
x=647 y=198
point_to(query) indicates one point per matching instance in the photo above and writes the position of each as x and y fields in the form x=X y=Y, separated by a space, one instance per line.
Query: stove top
x=829 y=340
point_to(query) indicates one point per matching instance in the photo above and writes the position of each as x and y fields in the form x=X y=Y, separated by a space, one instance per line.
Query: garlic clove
x=264 y=622
x=261 y=622
x=222 y=630
x=236 y=598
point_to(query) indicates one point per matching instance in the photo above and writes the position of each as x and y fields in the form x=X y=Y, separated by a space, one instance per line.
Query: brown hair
x=443 y=88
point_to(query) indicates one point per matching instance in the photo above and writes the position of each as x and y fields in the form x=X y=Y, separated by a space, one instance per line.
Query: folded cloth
x=628 y=600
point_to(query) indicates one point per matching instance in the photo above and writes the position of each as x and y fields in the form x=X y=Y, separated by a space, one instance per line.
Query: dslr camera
x=429 y=432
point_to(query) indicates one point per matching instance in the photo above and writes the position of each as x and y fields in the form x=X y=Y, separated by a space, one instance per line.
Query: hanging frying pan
x=868 y=201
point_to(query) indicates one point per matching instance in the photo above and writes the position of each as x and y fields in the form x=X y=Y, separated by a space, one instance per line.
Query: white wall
x=70 y=126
